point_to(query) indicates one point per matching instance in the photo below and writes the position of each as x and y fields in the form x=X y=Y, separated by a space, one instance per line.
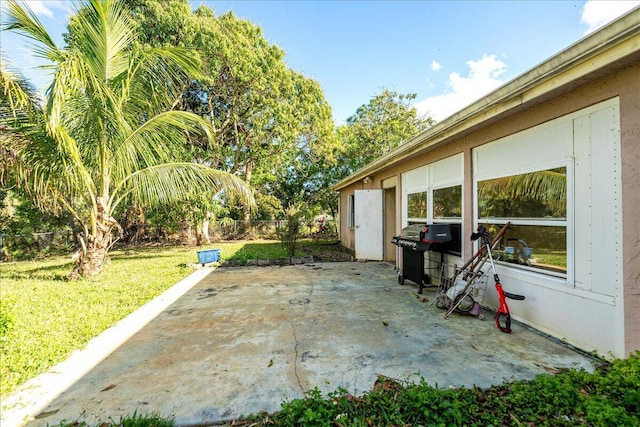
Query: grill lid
x=427 y=233
x=412 y=231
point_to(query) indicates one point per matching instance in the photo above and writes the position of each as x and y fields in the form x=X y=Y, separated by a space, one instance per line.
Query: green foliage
x=610 y=396
x=266 y=117
x=30 y=232
x=135 y=420
x=290 y=232
x=7 y=319
x=256 y=250
x=267 y=207
x=377 y=128
x=107 y=130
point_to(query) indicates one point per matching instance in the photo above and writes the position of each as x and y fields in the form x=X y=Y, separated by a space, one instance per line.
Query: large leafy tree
x=377 y=128
x=265 y=116
x=372 y=131
x=106 y=131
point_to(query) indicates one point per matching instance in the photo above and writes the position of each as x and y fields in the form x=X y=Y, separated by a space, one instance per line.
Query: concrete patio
x=242 y=340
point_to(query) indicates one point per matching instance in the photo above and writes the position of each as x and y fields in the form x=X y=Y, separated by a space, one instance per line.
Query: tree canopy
x=152 y=101
x=263 y=114
x=377 y=128
x=106 y=131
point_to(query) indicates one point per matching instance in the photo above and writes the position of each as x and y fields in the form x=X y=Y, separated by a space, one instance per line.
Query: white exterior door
x=369 y=224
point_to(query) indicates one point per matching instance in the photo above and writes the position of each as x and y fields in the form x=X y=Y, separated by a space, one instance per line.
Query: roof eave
x=602 y=48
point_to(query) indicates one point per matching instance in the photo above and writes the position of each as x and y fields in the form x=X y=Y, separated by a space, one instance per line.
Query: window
x=447 y=202
x=447 y=208
x=536 y=205
x=351 y=212
x=433 y=194
x=417 y=207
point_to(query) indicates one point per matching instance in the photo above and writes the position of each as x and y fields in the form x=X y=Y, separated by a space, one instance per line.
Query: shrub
x=289 y=234
x=610 y=396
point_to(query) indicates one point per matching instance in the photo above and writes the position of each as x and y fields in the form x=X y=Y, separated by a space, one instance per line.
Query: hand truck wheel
x=443 y=301
x=464 y=303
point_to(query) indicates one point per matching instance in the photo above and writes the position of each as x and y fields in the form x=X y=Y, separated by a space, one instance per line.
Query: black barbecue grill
x=415 y=240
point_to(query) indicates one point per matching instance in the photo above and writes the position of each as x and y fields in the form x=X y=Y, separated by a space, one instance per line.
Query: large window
x=536 y=205
x=433 y=195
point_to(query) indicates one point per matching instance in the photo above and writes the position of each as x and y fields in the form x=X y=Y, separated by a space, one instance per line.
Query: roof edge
x=566 y=62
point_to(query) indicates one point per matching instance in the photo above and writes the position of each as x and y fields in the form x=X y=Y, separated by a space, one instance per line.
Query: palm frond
x=23 y=20
x=156 y=141
x=104 y=38
x=16 y=93
x=173 y=181
x=547 y=184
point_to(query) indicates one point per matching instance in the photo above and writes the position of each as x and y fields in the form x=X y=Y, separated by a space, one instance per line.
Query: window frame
x=552 y=222
x=351 y=210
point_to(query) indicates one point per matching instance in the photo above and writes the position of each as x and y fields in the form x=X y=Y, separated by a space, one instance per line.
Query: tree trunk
x=75 y=231
x=205 y=229
x=199 y=235
x=90 y=263
x=246 y=209
x=95 y=249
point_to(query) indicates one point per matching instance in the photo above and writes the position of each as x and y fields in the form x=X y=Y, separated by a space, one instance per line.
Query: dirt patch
x=329 y=252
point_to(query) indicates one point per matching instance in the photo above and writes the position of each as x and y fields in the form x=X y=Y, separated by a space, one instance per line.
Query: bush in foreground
x=610 y=396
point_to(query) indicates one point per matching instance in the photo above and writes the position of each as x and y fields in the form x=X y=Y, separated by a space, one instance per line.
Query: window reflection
x=540 y=194
x=447 y=202
x=536 y=205
x=533 y=245
x=417 y=205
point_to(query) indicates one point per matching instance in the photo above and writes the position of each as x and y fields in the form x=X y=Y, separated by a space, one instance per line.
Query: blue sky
x=449 y=53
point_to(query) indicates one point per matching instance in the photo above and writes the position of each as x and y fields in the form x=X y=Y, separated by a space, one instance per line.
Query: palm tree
x=105 y=131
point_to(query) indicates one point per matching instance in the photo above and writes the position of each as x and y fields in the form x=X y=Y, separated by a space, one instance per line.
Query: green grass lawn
x=47 y=317
x=44 y=317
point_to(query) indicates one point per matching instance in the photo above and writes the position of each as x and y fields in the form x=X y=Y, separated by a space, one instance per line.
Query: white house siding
x=585 y=307
x=439 y=174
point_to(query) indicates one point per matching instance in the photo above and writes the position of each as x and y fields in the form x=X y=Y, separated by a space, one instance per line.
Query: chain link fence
x=33 y=245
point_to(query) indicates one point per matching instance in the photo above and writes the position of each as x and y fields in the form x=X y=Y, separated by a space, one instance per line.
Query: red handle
x=503 y=318
x=507 y=322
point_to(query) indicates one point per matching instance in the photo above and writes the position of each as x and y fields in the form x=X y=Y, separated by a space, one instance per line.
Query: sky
x=449 y=53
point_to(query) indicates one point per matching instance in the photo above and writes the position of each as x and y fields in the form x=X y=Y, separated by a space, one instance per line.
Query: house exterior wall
x=630 y=171
x=610 y=323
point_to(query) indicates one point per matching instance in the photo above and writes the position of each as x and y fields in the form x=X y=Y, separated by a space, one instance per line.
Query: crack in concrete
x=295 y=360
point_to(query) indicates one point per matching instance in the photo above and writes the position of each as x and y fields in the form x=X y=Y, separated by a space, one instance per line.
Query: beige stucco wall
x=630 y=139
x=623 y=83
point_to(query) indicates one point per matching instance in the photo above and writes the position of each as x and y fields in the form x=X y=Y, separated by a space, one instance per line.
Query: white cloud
x=39 y=8
x=435 y=66
x=597 y=13
x=46 y=8
x=483 y=77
